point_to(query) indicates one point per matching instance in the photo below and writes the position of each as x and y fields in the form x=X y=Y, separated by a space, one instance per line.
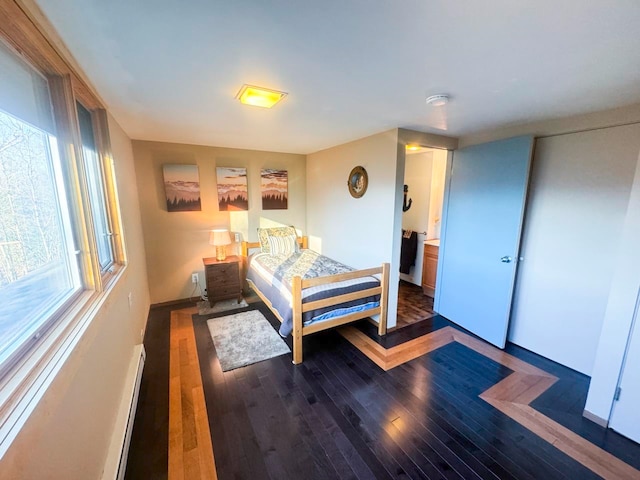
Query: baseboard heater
x=117 y=462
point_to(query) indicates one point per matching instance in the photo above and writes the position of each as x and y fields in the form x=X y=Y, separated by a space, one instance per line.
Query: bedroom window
x=58 y=249
x=97 y=193
x=61 y=245
x=39 y=268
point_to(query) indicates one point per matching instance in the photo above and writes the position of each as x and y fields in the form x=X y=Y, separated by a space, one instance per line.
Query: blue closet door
x=482 y=221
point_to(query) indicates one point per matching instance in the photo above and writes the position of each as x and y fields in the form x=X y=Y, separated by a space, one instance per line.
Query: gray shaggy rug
x=245 y=338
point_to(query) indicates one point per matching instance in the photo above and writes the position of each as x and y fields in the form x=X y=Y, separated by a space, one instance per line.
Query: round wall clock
x=358 y=182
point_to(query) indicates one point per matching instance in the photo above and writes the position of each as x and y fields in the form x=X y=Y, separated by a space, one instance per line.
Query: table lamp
x=220 y=238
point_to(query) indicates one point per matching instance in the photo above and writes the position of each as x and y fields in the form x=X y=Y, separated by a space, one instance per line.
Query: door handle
x=506 y=259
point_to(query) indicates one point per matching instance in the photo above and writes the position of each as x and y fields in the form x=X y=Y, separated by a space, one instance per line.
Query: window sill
x=25 y=385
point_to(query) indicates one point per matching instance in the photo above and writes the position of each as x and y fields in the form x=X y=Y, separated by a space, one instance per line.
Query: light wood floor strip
x=390 y=358
x=511 y=396
x=585 y=452
x=190 y=448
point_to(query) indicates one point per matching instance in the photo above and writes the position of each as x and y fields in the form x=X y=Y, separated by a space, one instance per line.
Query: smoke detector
x=438 y=100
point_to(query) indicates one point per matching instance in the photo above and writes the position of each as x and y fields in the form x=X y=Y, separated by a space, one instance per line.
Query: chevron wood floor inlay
x=512 y=396
x=190 y=445
x=428 y=401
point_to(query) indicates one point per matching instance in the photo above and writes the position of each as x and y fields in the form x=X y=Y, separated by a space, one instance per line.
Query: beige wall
x=69 y=433
x=356 y=231
x=363 y=232
x=176 y=242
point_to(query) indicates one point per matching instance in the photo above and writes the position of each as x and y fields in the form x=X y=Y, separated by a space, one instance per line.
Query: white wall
x=438 y=178
x=69 y=433
x=417 y=175
x=577 y=202
x=619 y=312
x=356 y=231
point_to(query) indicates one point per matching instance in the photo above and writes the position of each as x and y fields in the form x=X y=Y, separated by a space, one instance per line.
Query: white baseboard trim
x=595 y=418
x=116 y=463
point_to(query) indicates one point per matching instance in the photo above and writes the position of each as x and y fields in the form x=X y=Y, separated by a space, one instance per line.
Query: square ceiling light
x=259 y=96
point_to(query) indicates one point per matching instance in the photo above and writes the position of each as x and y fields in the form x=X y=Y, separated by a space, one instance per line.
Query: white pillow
x=283 y=245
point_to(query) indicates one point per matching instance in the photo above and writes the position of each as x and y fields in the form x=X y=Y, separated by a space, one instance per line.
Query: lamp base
x=221 y=253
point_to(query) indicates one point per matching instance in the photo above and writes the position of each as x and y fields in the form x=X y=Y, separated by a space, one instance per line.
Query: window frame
x=25 y=377
x=100 y=130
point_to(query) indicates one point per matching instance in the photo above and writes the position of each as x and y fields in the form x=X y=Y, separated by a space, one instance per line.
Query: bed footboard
x=298 y=308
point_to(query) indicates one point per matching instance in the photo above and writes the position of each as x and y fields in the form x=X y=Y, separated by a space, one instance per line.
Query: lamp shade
x=219 y=238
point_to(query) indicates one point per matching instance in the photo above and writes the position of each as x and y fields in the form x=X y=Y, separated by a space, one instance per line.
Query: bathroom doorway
x=424 y=182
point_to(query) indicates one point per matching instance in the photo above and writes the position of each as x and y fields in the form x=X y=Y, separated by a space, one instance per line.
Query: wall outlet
x=237 y=238
x=194 y=278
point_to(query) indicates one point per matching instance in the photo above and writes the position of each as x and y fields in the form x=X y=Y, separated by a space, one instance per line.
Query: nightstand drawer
x=219 y=286
x=224 y=271
x=220 y=280
x=223 y=292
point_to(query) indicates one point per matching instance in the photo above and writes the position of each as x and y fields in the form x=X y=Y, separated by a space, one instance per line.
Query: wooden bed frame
x=298 y=308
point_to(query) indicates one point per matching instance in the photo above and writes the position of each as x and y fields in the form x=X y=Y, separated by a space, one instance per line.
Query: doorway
x=424 y=182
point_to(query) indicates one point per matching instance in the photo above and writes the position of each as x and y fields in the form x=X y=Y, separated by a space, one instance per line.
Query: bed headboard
x=246 y=246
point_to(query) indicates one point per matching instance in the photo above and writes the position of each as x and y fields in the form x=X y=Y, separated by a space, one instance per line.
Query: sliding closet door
x=482 y=220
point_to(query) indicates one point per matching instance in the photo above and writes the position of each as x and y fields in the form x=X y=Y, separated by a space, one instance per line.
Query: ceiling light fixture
x=413 y=148
x=438 y=100
x=259 y=96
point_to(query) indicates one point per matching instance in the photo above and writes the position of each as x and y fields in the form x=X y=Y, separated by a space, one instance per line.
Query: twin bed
x=309 y=292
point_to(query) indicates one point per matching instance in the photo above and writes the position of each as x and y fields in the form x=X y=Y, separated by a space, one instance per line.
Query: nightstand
x=223 y=279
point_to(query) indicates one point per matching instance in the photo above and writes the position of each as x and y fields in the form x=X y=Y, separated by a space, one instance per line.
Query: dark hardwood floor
x=149 y=448
x=338 y=415
x=413 y=305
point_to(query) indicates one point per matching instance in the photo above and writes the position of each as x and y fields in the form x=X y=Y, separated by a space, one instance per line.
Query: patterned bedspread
x=272 y=275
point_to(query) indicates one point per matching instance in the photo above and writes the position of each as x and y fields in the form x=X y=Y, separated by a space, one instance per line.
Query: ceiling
x=169 y=70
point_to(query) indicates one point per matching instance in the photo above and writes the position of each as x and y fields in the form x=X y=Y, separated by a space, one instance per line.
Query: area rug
x=245 y=338
x=222 y=306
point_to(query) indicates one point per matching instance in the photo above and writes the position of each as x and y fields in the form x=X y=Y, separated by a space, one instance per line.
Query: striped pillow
x=265 y=233
x=283 y=245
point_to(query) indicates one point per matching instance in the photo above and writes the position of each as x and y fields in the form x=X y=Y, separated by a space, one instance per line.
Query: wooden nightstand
x=223 y=279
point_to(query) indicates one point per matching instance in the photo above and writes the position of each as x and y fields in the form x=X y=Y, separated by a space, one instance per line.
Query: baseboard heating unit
x=117 y=459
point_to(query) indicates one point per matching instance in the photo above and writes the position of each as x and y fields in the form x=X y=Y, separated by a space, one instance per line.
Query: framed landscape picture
x=275 y=189
x=182 y=188
x=232 y=189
